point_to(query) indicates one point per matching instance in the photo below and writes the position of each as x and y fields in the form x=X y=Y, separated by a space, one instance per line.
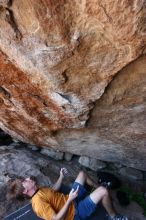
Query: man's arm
x=61 y=214
x=58 y=183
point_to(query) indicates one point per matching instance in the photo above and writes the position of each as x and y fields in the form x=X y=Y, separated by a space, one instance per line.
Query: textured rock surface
x=131 y=173
x=120 y=115
x=116 y=129
x=91 y=163
x=57 y=58
x=52 y=153
x=68 y=156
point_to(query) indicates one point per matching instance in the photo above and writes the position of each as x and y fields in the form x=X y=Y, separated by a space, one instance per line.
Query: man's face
x=28 y=184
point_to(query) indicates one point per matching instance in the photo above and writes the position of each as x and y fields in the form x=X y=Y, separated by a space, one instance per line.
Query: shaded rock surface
x=60 y=79
x=91 y=163
x=51 y=153
x=131 y=173
x=68 y=156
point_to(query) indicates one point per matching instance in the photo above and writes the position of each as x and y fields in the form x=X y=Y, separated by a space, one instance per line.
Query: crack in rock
x=11 y=20
x=67 y=97
x=5 y=92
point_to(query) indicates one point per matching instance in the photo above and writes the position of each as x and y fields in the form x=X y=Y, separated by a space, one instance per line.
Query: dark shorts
x=84 y=206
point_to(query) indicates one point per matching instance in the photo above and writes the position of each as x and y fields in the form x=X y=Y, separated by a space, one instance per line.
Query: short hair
x=15 y=189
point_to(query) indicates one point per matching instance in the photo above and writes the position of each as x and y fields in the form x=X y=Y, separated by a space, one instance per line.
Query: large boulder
x=57 y=59
x=116 y=128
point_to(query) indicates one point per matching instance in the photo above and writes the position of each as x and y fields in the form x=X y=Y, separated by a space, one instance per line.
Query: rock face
x=56 y=60
x=91 y=163
x=120 y=115
x=116 y=128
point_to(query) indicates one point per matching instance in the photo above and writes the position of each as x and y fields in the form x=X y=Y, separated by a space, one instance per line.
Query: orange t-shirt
x=47 y=202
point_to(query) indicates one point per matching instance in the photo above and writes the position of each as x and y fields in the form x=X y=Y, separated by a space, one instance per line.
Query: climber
x=50 y=204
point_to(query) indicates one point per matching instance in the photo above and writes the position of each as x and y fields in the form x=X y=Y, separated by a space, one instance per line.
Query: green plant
x=135 y=196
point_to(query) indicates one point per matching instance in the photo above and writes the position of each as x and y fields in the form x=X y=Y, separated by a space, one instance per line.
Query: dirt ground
x=133 y=211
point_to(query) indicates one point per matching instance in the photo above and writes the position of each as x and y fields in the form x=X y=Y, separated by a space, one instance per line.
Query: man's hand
x=63 y=172
x=73 y=194
x=58 y=183
x=63 y=211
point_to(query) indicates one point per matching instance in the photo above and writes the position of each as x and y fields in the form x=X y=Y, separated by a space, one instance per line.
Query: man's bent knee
x=98 y=194
x=102 y=190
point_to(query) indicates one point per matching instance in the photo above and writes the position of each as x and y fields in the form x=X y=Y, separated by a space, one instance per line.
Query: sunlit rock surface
x=57 y=60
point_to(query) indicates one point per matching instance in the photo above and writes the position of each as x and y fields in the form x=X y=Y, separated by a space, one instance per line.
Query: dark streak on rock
x=63 y=107
x=106 y=13
x=64 y=74
x=39 y=98
x=11 y=20
x=5 y=92
x=67 y=97
x=10 y=3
